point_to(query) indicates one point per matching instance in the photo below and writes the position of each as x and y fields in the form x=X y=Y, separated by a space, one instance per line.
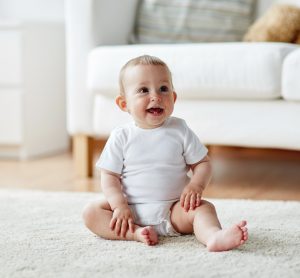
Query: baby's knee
x=207 y=205
x=88 y=214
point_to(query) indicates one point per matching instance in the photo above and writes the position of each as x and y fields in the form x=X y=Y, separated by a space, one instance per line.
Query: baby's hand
x=191 y=197
x=122 y=220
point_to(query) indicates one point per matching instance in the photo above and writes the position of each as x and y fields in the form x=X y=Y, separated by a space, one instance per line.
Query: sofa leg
x=83 y=155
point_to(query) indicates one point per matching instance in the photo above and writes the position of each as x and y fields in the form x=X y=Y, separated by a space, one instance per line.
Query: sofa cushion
x=173 y=21
x=200 y=71
x=291 y=76
x=217 y=122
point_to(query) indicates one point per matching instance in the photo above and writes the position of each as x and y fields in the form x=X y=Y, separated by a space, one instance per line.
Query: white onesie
x=153 y=164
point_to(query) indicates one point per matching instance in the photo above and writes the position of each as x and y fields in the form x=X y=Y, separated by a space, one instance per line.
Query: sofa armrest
x=290 y=76
x=90 y=23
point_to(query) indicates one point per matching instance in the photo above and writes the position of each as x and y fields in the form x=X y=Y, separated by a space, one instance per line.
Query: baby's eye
x=164 y=89
x=143 y=90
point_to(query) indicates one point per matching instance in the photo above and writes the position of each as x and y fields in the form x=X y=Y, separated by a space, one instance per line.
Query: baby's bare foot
x=228 y=239
x=146 y=235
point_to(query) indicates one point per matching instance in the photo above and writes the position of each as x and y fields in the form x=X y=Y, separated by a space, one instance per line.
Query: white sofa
x=233 y=94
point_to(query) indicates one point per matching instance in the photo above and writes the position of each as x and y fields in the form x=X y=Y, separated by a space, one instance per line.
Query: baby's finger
x=182 y=198
x=118 y=226
x=124 y=228
x=198 y=200
x=131 y=225
x=192 y=202
x=112 y=223
x=187 y=203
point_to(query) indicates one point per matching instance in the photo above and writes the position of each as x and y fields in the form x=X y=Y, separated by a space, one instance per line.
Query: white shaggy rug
x=42 y=235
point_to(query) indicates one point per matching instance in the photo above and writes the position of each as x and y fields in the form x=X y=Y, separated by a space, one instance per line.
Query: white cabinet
x=10 y=57
x=32 y=89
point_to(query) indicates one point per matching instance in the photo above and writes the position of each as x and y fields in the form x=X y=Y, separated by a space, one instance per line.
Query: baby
x=144 y=168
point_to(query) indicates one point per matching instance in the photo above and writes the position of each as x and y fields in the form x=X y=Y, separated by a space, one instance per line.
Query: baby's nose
x=155 y=96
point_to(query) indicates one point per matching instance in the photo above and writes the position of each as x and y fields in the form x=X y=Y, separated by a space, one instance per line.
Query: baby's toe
x=145 y=232
x=242 y=224
x=244 y=229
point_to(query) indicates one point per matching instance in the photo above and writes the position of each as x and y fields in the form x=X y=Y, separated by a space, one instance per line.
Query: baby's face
x=149 y=95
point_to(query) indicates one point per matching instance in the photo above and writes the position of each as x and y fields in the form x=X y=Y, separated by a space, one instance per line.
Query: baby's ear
x=174 y=96
x=121 y=102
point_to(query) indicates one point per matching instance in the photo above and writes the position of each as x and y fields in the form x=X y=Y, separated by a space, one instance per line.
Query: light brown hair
x=141 y=60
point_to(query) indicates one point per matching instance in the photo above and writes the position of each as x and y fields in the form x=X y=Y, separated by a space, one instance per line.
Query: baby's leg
x=97 y=216
x=203 y=221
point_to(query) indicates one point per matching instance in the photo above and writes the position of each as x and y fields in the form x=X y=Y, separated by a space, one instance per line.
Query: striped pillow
x=179 y=21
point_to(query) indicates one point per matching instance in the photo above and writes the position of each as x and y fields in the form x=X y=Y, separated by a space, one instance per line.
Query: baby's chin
x=150 y=124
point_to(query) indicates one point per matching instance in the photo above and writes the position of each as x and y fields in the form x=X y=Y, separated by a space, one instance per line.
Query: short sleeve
x=194 y=150
x=111 y=158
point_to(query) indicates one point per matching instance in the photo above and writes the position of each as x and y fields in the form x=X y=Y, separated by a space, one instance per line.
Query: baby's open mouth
x=155 y=111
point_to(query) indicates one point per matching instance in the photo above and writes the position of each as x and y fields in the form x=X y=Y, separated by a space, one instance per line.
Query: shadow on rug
x=42 y=235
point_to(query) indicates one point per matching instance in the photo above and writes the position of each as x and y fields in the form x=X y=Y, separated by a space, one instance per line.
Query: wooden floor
x=238 y=173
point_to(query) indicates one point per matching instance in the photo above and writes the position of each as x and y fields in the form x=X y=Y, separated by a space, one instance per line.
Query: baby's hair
x=141 y=60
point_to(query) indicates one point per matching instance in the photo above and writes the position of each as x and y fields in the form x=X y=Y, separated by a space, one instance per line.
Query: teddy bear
x=281 y=23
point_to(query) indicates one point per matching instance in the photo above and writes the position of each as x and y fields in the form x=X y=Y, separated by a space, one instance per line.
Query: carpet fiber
x=42 y=235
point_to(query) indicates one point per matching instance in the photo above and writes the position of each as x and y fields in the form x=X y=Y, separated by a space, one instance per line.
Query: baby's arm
x=192 y=193
x=122 y=217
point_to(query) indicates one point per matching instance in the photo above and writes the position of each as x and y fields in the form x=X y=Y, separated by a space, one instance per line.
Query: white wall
x=53 y=10
x=32 y=10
